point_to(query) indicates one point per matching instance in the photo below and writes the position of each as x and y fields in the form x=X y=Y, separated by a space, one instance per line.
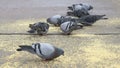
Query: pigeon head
x=70 y=7
x=33 y=26
x=90 y=7
x=30 y=25
x=48 y=20
x=60 y=51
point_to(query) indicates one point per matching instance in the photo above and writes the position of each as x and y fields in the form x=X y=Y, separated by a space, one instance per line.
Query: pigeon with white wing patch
x=57 y=20
x=69 y=26
x=44 y=50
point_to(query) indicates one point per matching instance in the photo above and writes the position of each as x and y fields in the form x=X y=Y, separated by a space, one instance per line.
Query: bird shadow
x=41 y=61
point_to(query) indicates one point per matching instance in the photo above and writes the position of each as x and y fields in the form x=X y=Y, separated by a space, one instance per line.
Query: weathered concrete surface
x=96 y=46
x=84 y=51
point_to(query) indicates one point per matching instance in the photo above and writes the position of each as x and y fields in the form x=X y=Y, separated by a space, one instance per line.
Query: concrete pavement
x=95 y=46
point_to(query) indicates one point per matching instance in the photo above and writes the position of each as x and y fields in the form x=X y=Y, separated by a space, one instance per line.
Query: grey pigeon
x=41 y=28
x=54 y=20
x=44 y=50
x=79 y=10
x=90 y=19
x=69 y=26
x=57 y=20
x=80 y=6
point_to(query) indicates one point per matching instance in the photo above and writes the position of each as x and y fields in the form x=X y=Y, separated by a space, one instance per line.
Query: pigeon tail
x=102 y=15
x=26 y=48
x=23 y=47
x=19 y=49
x=104 y=18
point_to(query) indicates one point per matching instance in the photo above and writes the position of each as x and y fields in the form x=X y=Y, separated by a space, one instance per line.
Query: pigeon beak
x=63 y=54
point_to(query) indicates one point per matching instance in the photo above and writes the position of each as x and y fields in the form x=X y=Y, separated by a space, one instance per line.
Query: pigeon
x=90 y=19
x=69 y=26
x=79 y=10
x=80 y=6
x=45 y=51
x=41 y=28
x=57 y=20
x=54 y=20
x=78 y=13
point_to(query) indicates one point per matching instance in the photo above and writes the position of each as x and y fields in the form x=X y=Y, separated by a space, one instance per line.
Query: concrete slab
x=96 y=46
x=83 y=51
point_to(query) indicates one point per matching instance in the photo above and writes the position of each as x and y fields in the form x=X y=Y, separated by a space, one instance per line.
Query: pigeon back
x=54 y=19
x=77 y=7
x=43 y=49
x=86 y=6
x=66 y=27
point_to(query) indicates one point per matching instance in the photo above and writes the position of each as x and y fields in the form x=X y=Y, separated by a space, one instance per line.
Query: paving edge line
x=59 y=34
